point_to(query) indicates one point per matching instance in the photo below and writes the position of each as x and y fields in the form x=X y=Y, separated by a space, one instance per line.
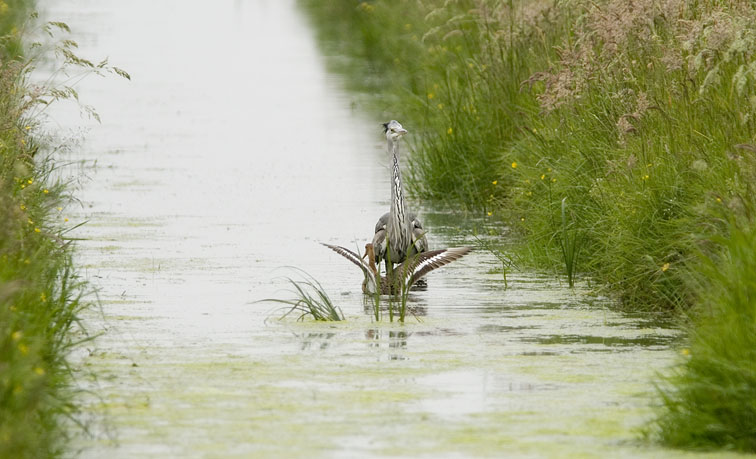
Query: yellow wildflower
x=27 y=127
x=30 y=181
x=543 y=176
x=37 y=230
x=43 y=297
x=719 y=200
x=431 y=95
x=685 y=351
x=495 y=182
x=440 y=106
x=45 y=191
x=665 y=267
x=645 y=177
x=522 y=219
x=39 y=370
x=489 y=213
x=16 y=335
x=553 y=180
x=23 y=207
x=450 y=131
x=514 y=165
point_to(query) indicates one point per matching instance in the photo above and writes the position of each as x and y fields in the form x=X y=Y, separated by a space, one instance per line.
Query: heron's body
x=419 y=243
x=398 y=234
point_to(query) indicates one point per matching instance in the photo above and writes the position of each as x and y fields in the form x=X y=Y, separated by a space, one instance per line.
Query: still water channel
x=230 y=154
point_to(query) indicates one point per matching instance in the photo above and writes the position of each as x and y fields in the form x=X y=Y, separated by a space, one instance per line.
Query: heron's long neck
x=398 y=213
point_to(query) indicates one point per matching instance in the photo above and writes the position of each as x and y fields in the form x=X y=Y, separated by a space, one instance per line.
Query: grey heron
x=398 y=234
x=402 y=276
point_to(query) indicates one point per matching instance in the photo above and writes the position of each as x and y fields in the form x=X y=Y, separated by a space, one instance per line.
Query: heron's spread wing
x=425 y=262
x=354 y=258
x=349 y=255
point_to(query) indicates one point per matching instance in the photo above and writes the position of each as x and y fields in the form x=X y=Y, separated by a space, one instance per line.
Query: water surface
x=230 y=155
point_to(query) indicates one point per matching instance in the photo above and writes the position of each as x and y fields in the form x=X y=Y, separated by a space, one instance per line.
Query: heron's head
x=393 y=130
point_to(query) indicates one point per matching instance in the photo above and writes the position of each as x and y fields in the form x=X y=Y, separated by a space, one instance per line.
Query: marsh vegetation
x=189 y=221
x=41 y=294
x=610 y=140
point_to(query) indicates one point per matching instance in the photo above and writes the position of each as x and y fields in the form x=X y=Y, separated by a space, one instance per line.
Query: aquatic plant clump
x=310 y=299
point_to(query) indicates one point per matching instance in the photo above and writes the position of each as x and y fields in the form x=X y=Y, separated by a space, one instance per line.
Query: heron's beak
x=401 y=131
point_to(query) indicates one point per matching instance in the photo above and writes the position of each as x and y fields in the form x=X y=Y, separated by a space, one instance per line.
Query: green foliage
x=311 y=299
x=40 y=293
x=710 y=401
x=641 y=115
x=636 y=112
x=570 y=241
x=13 y=15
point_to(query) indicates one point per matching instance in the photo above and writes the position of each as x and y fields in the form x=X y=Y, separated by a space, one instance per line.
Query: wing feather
x=425 y=262
x=349 y=255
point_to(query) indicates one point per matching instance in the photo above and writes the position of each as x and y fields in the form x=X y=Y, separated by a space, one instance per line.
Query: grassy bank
x=40 y=293
x=711 y=398
x=613 y=139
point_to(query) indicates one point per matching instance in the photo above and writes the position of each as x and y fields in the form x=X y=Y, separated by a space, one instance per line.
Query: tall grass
x=40 y=292
x=641 y=115
x=310 y=299
x=570 y=241
x=13 y=14
x=710 y=401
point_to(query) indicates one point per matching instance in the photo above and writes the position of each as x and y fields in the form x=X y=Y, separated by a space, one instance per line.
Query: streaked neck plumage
x=398 y=227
